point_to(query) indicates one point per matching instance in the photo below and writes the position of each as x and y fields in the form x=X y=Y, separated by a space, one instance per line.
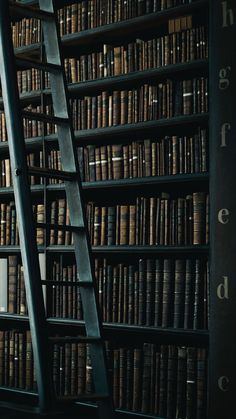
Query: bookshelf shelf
x=117 y=332
x=137 y=250
x=119 y=133
x=161 y=181
x=109 y=134
x=200 y=179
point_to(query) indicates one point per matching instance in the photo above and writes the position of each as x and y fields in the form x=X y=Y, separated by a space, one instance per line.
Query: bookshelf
x=155 y=346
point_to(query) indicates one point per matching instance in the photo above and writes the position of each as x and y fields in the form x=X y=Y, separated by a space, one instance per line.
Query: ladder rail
x=73 y=189
x=22 y=195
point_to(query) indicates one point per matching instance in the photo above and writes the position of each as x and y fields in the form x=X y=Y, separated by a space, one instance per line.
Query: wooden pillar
x=222 y=357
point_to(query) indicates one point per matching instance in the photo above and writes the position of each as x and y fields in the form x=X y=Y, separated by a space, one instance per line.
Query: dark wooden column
x=222 y=377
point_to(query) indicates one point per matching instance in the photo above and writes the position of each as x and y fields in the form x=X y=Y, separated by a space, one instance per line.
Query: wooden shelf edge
x=116 y=329
x=119 y=183
x=116 y=82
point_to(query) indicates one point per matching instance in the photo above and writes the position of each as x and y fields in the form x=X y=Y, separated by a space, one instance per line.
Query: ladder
x=42 y=343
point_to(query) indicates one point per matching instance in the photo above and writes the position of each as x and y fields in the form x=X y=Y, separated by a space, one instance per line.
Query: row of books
x=150 y=221
x=9 y=234
x=31 y=128
x=26 y=32
x=160 y=220
x=166 y=380
x=147 y=102
x=33 y=159
x=152 y=292
x=116 y=60
x=139 y=56
x=89 y=14
x=170 y=155
x=93 y=13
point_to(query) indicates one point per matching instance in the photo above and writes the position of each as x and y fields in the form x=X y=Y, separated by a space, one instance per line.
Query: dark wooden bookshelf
x=73 y=45
x=90 y=38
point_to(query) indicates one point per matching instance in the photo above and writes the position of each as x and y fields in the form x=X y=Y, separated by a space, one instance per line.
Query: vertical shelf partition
x=222 y=379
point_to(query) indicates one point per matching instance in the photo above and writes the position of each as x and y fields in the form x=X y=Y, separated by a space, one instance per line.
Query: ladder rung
x=67 y=283
x=22 y=10
x=49 y=119
x=83 y=397
x=60 y=227
x=51 y=173
x=25 y=63
x=75 y=339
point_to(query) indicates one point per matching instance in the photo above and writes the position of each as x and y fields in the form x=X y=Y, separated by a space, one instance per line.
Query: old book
x=158 y=293
x=2 y=366
x=12 y=283
x=150 y=291
x=117 y=161
x=146 y=378
x=163 y=381
x=40 y=219
x=84 y=370
x=28 y=363
x=122 y=378
x=171 y=381
x=199 y=217
x=181 y=383
x=124 y=225
x=129 y=378
x=201 y=384
x=120 y=292
x=111 y=216
x=132 y=225
x=137 y=379
x=189 y=294
x=109 y=293
x=116 y=378
x=131 y=297
x=115 y=290
x=198 y=312
x=61 y=221
x=125 y=294
x=6 y=357
x=179 y=290
x=97 y=226
x=3 y=285
x=11 y=359
x=104 y=214
x=191 y=382
x=141 y=292
x=167 y=296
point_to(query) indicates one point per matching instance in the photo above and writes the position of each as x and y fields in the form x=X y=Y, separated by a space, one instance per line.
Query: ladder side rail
x=70 y=163
x=74 y=192
x=22 y=195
